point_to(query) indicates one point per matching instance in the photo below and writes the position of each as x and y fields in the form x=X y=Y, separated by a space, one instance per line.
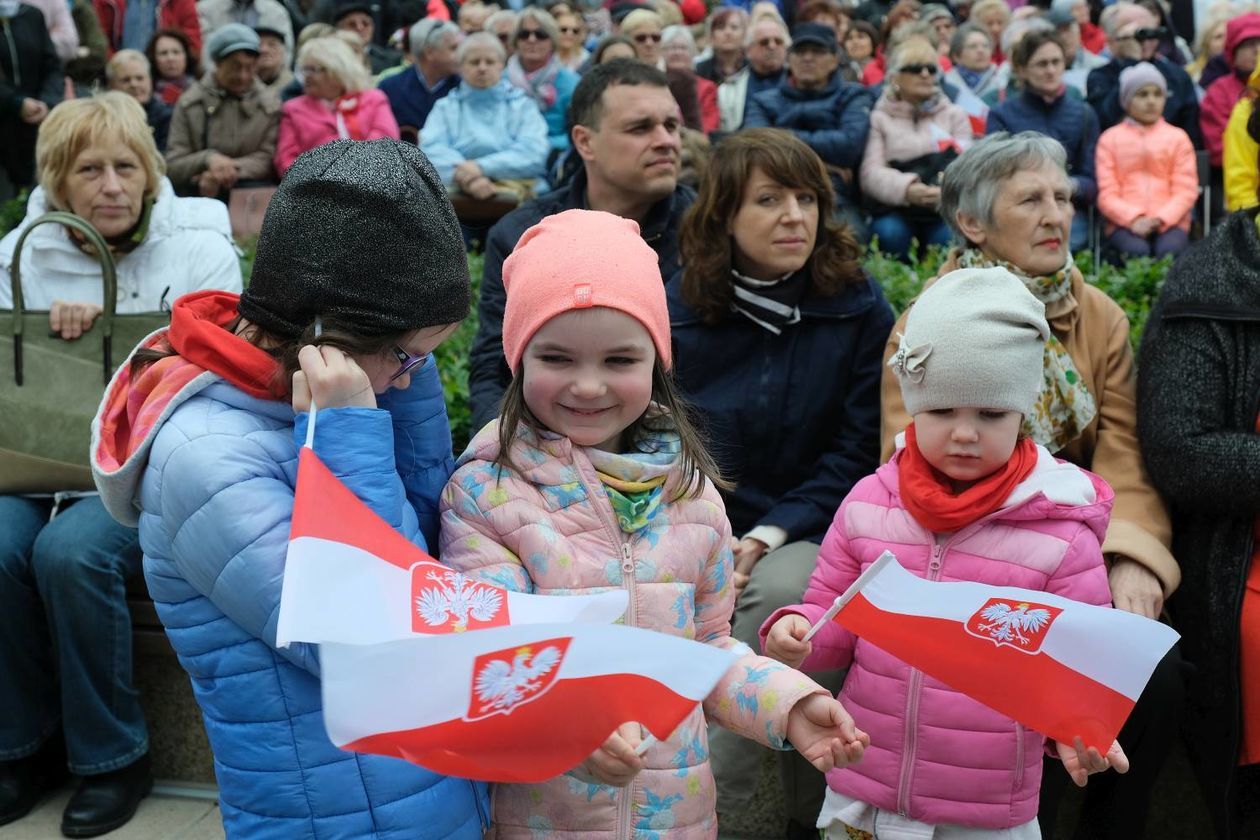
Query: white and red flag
x=512 y=704
x=351 y=578
x=1060 y=667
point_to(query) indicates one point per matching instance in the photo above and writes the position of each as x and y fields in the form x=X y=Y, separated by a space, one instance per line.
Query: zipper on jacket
x=17 y=67
x=625 y=819
x=909 y=743
x=1019 y=755
x=482 y=816
x=628 y=579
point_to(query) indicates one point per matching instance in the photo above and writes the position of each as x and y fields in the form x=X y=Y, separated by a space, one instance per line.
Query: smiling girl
x=592 y=479
x=966 y=497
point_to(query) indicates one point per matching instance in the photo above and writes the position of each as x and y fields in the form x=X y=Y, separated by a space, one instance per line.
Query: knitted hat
x=975 y=338
x=579 y=259
x=363 y=234
x=230 y=38
x=1133 y=79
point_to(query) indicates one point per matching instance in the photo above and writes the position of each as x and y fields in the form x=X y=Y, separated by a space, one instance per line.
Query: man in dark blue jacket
x=413 y=92
x=1132 y=36
x=1049 y=107
x=625 y=126
x=831 y=115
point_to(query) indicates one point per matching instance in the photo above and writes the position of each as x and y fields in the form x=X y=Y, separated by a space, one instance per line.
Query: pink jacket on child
x=1146 y=170
x=936 y=755
x=307 y=122
x=549 y=528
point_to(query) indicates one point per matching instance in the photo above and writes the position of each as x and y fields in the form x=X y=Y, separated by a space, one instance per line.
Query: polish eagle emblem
x=1020 y=624
x=506 y=679
x=447 y=601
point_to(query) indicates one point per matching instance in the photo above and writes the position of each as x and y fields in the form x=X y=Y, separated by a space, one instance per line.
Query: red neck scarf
x=197 y=334
x=929 y=496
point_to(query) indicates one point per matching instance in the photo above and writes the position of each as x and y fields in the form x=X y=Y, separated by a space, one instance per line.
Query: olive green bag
x=50 y=388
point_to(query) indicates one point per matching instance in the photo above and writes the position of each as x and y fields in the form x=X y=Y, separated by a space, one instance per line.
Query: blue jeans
x=65 y=648
x=895 y=232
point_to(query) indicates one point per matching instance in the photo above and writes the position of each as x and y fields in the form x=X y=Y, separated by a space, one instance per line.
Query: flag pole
x=310 y=420
x=854 y=588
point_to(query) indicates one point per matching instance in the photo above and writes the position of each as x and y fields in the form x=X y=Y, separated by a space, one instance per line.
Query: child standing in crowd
x=593 y=478
x=1148 y=180
x=966 y=497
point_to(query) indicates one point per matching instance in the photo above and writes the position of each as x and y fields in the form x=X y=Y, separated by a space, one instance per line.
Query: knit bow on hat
x=907 y=362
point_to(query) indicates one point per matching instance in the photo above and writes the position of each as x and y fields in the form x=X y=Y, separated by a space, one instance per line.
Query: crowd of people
x=680 y=363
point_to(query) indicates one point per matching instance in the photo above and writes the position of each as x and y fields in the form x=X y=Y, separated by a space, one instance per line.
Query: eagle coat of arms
x=1019 y=624
x=446 y=601
x=506 y=679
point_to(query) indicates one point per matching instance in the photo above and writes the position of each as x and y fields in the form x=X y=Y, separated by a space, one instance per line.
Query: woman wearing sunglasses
x=644 y=28
x=915 y=132
x=536 y=69
x=1044 y=105
x=570 y=46
x=199 y=436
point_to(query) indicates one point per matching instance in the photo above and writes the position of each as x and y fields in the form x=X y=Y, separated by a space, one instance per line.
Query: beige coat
x=1095 y=332
x=243 y=129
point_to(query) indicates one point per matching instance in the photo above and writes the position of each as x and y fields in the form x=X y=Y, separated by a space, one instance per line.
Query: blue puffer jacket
x=213 y=481
x=813 y=390
x=833 y=121
x=1068 y=120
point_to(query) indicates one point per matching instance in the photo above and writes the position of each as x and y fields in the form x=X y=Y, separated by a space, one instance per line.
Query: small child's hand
x=331 y=378
x=616 y=763
x=822 y=731
x=1081 y=763
x=786 y=640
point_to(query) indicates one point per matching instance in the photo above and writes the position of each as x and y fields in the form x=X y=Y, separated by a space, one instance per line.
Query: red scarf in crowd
x=929 y=495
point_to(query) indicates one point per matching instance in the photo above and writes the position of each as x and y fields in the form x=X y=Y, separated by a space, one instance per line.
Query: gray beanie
x=362 y=234
x=975 y=338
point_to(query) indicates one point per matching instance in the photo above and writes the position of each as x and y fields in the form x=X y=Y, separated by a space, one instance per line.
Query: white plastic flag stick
x=310 y=421
x=855 y=587
x=647 y=742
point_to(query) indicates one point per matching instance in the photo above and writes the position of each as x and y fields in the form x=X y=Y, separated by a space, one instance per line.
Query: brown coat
x=244 y=129
x=1095 y=332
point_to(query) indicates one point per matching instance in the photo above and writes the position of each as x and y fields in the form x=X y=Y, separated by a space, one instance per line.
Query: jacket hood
x=1053 y=490
x=135 y=407
x=1240 y=29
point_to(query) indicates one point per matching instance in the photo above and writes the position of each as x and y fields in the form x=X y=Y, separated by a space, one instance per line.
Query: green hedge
x=1133 y=286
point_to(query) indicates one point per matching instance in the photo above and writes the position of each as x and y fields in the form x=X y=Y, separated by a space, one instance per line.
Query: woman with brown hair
x=790 y=403
x=175 y=63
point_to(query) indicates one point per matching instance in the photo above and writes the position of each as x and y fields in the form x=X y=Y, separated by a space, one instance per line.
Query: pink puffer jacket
x=549 y=528
x=936 y=755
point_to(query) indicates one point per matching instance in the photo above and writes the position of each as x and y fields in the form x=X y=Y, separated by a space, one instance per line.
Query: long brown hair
x=674 y=414
x=705 y=243
x=285 y=350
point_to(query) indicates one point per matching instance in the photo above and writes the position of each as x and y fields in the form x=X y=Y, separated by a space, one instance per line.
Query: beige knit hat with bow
x=974 y=339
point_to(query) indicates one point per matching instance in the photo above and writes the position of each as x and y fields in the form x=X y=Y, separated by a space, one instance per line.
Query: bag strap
x=109 y=272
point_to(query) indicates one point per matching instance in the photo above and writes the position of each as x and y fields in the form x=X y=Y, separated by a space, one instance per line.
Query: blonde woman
x=68 y=693
x=644 y=28
x=338 y=102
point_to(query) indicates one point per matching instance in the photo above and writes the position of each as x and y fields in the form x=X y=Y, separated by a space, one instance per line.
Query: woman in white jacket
x=66 y=649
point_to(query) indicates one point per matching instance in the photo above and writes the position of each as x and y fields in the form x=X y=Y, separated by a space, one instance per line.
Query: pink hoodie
x=936 y=755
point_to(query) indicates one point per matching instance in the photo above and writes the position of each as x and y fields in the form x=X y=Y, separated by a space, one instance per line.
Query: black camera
x=1151 y=34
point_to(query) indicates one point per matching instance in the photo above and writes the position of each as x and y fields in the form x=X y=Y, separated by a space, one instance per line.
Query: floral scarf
x=539 y=85
x=1065 y=407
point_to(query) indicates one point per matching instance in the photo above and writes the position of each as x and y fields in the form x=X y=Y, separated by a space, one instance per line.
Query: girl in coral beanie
x=592 y=478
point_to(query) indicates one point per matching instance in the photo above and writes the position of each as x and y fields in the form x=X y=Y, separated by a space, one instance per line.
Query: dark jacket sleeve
x=1185 y=392
x=488 y=374
x=756 y=114
x=843 y=146
x=853 y=451
x=996 y=121
x=1083 y=164
x=1103 y=94
x=52 y=83
x=1187 y=116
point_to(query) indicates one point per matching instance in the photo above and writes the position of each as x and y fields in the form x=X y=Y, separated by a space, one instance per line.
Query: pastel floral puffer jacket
x=549 y=528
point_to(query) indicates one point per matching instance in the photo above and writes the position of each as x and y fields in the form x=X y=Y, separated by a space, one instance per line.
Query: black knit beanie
x=362 y=234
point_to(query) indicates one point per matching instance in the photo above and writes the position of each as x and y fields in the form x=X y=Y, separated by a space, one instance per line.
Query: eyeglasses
x=311 y=70
x=406 y=362
x=532 y=35
x=767 y=43
x=644 y=37
x=919 y=69
x=570 y=30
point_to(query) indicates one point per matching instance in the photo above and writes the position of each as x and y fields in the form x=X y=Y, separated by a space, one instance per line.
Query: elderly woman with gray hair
x=696 y=95
x=1008 y=201
x=535 y=68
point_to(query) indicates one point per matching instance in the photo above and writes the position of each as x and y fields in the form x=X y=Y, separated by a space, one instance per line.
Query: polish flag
x=512 y=704
x=1060 y=667
x=976 y=109
x=351 y=578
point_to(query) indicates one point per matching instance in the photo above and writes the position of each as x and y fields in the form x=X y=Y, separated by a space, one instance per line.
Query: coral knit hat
x=580 y=259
